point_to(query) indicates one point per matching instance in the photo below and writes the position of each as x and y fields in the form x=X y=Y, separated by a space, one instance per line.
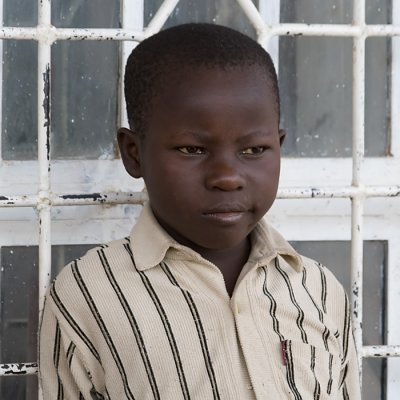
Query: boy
x=204 y=300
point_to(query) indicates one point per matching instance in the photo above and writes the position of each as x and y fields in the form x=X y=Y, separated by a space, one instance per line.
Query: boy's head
x=203 y=107
x=166 y=54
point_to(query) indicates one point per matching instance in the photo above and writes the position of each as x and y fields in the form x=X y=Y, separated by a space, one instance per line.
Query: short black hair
x=182 y=46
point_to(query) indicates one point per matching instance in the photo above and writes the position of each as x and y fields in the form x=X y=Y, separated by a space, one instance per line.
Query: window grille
x=305 y=184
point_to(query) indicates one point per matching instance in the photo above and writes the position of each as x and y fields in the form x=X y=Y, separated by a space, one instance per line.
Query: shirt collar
x=267 y=243
x=150 y=244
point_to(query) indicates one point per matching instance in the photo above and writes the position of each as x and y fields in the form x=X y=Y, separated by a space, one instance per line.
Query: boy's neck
x=229 y=261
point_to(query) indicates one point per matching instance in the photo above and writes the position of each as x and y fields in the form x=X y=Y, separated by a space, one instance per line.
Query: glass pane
x=374 y=381
x=333 y=11
x=19 y=387
x=19 y=13
x=222 y=12
x=378 y=11
x=85 y=14
x=19 y=100
x=336 y=255
x=84 y=99
x=325 y=12
x=315 y=81
x=19 y=293
x=19 y=91
x=19 y=310
x=84 y=90
x=315 y=76
x=377 y=96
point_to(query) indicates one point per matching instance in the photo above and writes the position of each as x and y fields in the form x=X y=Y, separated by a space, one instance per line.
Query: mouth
x=226 y=213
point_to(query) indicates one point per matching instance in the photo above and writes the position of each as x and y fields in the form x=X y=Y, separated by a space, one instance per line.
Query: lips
x=226 y=208
x=226 y=213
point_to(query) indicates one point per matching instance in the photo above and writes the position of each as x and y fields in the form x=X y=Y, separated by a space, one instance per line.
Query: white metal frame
x=369 y=179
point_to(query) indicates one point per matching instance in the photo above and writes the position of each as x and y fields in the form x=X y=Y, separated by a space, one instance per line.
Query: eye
x=253 y=151
x=191 y=150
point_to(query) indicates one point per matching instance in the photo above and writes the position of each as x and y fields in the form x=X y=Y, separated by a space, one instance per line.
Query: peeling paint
x=94 y=196
x=46 y=108
x=18 y=369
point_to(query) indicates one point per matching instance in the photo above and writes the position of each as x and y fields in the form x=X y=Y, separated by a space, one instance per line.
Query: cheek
x=169 y=183
x=268 y=172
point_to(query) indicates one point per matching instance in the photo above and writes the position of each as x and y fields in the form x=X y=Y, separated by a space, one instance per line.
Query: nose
x=224 y=174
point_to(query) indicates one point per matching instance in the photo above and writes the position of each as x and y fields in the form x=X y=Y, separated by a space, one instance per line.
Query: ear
x=282 y=135
x=129 y=146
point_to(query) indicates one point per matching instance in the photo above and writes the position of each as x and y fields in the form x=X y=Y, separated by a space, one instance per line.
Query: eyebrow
x=206 y=136
x=255 y=135
x=192 y=135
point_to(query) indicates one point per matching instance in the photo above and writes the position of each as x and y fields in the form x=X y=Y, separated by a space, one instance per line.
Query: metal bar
x=160 y=17
x=84 y=199
x=44 y=206
x=381 y=351
x=333 y=30
x=32 y=368
x=53 y=34
x=253 y=15
x=18 y=369
x=357 y=204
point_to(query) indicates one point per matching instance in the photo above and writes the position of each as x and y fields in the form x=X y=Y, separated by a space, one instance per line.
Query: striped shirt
x=147 y=318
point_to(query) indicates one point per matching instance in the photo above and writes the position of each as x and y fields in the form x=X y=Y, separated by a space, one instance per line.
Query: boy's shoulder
x=93 y=265
x=320 y=273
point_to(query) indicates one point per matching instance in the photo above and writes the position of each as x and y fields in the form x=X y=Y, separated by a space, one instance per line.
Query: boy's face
x=210 y=156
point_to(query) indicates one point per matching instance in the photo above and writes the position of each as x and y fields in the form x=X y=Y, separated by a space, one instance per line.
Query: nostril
x=226 y=182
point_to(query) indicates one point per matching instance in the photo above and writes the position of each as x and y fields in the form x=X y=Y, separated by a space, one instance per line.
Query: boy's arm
x=350 y=377
x=61 y=374
x=351 y=384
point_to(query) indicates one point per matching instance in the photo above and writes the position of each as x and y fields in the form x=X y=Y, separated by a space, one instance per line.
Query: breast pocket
x=310 y=372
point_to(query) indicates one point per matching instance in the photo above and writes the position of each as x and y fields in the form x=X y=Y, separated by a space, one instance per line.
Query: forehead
x=181 y=73
x=238 y=100
x=209 y=81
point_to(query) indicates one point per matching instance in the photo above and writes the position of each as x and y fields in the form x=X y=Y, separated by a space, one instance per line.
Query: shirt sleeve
x=61 y=373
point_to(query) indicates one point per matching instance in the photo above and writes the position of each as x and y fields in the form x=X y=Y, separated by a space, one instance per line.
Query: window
x=63 y=187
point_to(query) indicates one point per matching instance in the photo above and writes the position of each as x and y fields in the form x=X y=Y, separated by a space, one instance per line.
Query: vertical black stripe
x=56 y=361
x=345 y=393
x=323 y=287
x=304 y=282
x=70 y=353
x=344 y=376
x=329 y=388
x=300 y=316
x=73 y=323
x=272 y=307
x=56 y=351
x=290 y=371
x=317 y=387
x=199 y=327
x=133 y=323
x=166 y=324
x=103 y=328
x=346 y=328
x=326 y=333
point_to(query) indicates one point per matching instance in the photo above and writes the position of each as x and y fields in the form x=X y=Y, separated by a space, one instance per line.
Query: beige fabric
x=146 y=318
